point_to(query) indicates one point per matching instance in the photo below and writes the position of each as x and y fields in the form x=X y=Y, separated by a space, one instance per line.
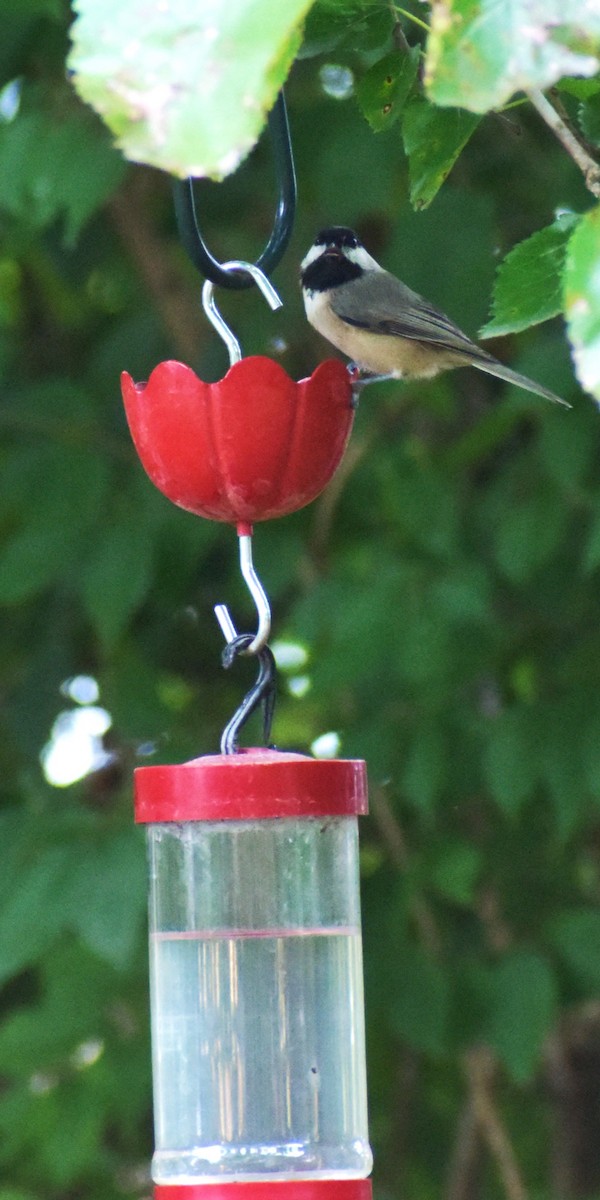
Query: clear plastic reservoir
x=257 y=1001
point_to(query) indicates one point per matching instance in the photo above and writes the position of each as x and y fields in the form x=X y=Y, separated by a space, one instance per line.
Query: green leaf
x=529 y=533
x=59 y=492
x=426 y=769
x=528 y=287
x=54 y=486
x=582 y=300
x=425 y=506
x=523 y=1011
x=30 y=561
x=57 y=168
x=382 y=92
x=480 y=52
x=186 y=91
x=433 y=140
x=510 y=761
x=575 y=935
x=420 y=1006
x=107 y=896
x=589 y=118
x=18 y=22
x=590 y=743
x=561 y=762
x=582 y=89
x=37 y=1034
x=566 y=448
x=345 y=24
x=52 y=9
x=130 y=690
x=591 y=557
x=33 y=914
x=73 y=1135
x=117 y=577
x=12 y=1194
x=463 y=595
x=455 y=870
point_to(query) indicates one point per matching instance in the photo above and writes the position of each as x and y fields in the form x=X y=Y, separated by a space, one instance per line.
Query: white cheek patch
x=362 y=258
x=314 y=253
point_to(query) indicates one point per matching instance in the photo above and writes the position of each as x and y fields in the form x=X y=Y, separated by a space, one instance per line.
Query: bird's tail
x=493 y=367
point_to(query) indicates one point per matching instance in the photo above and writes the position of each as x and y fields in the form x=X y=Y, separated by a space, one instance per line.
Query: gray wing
x=381 y=303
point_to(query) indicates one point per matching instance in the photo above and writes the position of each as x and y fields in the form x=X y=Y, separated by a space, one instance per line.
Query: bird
x=386 y=329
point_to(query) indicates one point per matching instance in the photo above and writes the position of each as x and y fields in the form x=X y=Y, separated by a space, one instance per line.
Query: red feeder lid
x=301 y=1189
x=253 y=784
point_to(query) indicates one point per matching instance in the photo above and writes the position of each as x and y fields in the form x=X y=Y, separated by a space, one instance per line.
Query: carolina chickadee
x=387 y=329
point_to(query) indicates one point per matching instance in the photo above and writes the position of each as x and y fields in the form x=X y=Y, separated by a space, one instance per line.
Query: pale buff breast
x=382 y=354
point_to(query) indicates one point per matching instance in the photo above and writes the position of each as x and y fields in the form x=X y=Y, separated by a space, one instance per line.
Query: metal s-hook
x=262 y=693
x=208 y=303
x=260 y=639
x=258 y=594
x=187 y=221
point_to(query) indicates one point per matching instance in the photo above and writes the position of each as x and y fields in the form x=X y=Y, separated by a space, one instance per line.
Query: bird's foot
x=361 y=377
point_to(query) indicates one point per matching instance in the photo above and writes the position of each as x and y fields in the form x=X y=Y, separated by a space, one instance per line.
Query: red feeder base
x=301 y=1189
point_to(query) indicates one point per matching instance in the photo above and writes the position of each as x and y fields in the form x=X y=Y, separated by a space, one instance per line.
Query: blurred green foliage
x=446 y=589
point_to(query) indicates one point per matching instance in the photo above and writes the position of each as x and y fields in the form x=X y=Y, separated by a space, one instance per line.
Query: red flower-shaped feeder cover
x=252 y=446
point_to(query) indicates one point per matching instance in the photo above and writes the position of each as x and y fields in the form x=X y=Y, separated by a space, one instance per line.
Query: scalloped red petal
x=253 y=446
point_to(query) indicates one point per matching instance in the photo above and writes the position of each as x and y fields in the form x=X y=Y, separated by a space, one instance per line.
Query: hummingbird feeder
x=255 y=946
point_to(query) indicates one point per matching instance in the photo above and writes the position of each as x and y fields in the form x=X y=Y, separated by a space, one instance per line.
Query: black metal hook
x=262 y=692
x=187 y=220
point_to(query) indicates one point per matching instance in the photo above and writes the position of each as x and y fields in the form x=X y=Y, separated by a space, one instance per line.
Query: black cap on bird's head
x=338 y=236
x=332 y=259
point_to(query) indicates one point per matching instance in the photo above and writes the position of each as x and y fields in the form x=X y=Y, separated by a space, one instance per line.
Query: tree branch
x=568 y=139
x=172 y=297
x=463 y=1172
x=398 y=35
x=395 y=842
x=328 y=501
x=498 y=934
x=480 y=1068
